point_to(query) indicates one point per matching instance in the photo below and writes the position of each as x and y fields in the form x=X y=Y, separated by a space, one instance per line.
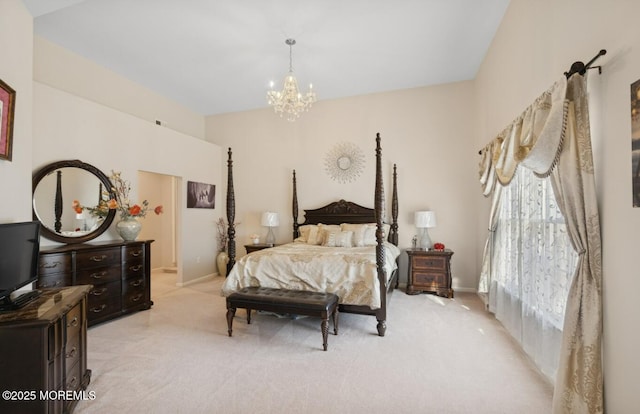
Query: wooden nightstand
x=255 y=247
x=430 y=271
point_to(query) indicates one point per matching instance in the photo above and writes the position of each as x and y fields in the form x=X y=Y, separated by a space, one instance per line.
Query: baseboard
x=198 y=280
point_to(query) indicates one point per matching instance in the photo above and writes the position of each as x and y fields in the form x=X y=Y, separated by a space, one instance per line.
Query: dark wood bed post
x=231 y=216
x=294 y=206
x=381 y=314
x=393 y=232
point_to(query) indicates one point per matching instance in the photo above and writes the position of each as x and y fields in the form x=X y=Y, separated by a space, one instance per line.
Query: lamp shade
x=270 y=219
x=423 y=219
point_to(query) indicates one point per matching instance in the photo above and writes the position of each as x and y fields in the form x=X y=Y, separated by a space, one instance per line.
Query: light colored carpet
x=438 y=356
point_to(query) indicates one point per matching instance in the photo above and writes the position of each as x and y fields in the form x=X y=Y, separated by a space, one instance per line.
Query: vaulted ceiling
x=218 y=56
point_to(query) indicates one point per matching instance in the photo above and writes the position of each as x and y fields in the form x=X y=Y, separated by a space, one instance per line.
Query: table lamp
x=270 y=220
x=424 y=220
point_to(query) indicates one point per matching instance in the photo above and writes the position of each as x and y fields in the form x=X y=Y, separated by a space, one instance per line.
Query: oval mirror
x=55 y=188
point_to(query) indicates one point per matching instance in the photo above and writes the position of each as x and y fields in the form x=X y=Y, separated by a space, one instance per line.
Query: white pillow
x=323 y=229
x=359 y=231
x=370 y=234
x=338 y=239
x=304 y=232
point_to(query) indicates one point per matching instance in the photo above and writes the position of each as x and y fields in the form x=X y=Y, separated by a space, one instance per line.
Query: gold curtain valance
x=533 y=140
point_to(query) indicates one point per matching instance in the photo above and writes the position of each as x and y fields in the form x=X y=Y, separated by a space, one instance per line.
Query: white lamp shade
x=425 y=219
x=270 y=219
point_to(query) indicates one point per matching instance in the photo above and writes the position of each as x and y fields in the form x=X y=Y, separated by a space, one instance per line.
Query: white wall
x=425 y=131
x=536 y=43
x=69 y=127
x=16 y=44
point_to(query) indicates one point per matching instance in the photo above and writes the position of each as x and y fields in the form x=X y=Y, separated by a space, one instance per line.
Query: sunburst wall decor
x=344 y=162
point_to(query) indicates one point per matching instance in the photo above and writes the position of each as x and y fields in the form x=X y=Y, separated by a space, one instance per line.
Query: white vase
x=221 y=261
x=128 y=228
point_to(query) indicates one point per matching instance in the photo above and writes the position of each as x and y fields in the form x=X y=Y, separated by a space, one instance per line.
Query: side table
x=429 y=271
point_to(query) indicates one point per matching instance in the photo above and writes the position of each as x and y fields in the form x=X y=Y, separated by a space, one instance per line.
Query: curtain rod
x=581 y=68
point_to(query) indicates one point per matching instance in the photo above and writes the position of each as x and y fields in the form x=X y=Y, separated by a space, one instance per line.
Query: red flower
x=158 y=210
x=135 y=210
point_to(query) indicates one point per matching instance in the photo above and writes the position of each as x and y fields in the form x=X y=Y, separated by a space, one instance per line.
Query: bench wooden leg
x=335 y=321
x=230 y=314
x=248 y=316
x=325 y=331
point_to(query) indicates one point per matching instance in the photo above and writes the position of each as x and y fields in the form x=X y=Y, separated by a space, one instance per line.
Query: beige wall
x=425 y=131
x=65 y=70
x=16 y=44
x=69 y=127
x=535 y=44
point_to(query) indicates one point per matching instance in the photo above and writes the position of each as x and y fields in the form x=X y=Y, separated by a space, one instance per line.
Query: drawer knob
x=136 y=253
x=72 y=353
x=98 y=275
x=73 y=382
x=98 y=292
x=135 y=268
x=98 y=309
x=74 y=322
x=98 y=258
x=137 y=283
x=51 y=265
x=136 y=298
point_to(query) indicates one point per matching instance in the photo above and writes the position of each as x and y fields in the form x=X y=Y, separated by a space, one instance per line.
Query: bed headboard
x=340 y=212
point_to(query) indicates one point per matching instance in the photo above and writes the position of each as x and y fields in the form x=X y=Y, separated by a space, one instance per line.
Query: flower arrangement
x=100 y=210
x=223 y=237
x=121 y=202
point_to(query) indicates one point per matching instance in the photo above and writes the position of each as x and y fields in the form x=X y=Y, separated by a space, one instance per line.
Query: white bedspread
x=350 y=273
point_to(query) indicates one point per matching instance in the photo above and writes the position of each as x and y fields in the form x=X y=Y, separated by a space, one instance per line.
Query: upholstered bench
x=295 y=302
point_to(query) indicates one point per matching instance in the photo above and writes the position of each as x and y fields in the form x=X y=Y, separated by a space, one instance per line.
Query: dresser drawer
x=133 y=292
x=135 y=252
x=98 y=276
x=73 y=378
x=73 y=322
x=72 y=355
x=98 y=258
x=49 y=264
x=134 y=269
x=104 y=300
x=54 y=281
x=435 y=263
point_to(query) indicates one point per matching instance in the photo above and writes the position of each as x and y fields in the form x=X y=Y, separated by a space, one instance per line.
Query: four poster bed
x=340 y=248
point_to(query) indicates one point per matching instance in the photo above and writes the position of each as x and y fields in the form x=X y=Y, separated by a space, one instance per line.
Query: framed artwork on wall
x=200 y=195
x=7 y=109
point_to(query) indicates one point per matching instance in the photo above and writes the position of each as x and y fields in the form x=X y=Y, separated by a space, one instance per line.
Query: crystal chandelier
x=290 y=102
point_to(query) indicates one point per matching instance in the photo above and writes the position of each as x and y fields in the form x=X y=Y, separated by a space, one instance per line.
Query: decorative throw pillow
x=304 y=233
x=338 y=239
x=358 y=232
x=323 y=229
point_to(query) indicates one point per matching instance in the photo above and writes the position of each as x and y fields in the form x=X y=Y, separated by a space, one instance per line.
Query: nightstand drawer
x=435 y=263
x=430 y=281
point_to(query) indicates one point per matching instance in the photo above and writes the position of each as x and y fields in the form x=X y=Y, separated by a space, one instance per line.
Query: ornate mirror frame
x=59 y=204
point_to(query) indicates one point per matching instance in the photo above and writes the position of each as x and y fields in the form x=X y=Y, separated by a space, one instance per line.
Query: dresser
x=118 y=271
x=43 y=353
x=429 y=271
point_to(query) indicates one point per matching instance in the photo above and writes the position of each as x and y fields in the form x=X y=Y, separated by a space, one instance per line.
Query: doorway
x=161 y=189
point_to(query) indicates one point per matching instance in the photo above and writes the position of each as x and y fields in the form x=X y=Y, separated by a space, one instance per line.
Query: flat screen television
x=19 y=249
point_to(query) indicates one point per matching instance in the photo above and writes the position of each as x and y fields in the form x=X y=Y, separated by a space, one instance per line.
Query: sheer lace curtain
x=534 y=265
x=541 y=271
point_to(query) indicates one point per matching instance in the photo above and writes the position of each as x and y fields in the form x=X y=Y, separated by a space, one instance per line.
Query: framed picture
x=200 y=195
x=7 y=108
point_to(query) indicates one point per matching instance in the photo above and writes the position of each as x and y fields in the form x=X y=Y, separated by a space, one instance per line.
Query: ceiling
x=219 y=56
